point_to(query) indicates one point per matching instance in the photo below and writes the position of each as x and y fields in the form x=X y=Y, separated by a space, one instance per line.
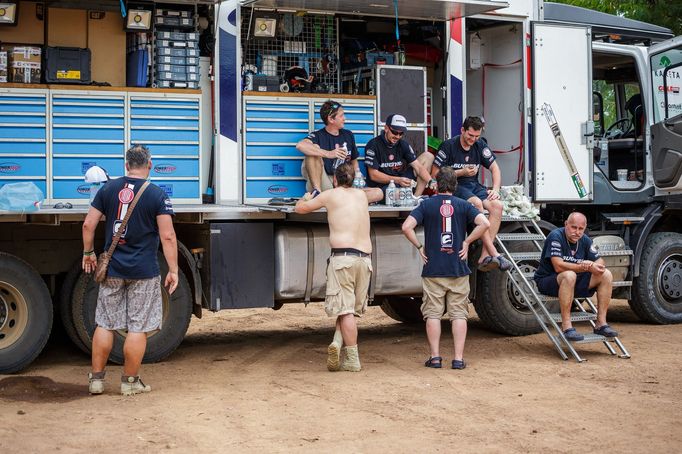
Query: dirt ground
x=250 y=380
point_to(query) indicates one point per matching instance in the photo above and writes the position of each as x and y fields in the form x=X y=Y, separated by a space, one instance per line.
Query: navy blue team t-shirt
x=393 y=160
x=557 y=245
x=445 y=219
x=327 y=141
x=451 y=153
x=135 y=254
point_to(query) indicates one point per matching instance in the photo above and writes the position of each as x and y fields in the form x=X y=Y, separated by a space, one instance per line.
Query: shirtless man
x=349 y=268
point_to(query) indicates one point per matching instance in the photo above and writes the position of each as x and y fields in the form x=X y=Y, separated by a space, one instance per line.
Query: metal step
x=611 y=253
x=622 y=284
x=575 y=316
x=519 y=256
x=520 y=237
x=591 y=338
x=622 y=218
x=516 y=218
x=547 y=298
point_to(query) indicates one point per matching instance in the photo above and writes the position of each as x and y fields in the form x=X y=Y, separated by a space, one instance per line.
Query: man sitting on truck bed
x=349 y=268
x=389 y=157
x=326 y=148
x=466 y=153
x=571 y=267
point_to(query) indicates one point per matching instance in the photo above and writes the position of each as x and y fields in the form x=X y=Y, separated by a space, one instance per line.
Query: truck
x=582 y=109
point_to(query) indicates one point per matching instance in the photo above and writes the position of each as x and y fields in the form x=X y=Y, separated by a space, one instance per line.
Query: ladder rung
x=516 y=218
x=622 y=284
x=520 y=237
x=548 y=298
x=591 y=338
x=519 y=256
x=611 y=253
x=575 y=316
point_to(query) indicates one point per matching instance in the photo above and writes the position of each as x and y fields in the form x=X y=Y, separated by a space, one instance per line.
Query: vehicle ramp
x=521 y=278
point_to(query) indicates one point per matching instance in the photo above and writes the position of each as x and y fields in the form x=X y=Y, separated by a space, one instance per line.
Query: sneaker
x=503 y=262
x=133 y=385
x=488 y=263
x=333 y=357
x=351 y=359
x=95 y=385
x=572 y=335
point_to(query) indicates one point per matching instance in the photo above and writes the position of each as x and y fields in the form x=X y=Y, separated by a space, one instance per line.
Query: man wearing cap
x=389 y=157
x=325 y=148
x=466 y=153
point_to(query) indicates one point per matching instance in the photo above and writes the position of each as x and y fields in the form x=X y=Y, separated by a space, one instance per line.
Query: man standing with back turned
x=130 y=297
x=349 y=268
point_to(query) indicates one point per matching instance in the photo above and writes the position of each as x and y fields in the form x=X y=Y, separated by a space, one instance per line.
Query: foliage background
x=666 y=13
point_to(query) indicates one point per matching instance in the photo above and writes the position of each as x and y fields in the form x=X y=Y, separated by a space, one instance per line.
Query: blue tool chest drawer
x=87 y=129
x=170 y=127
x=273 y=126
x=23 y=137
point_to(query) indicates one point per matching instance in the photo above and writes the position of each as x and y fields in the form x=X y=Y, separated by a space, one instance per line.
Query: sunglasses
x=396 y=133
x=61 y=205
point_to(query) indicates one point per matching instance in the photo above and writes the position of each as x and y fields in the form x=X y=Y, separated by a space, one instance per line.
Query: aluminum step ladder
x=582 y=310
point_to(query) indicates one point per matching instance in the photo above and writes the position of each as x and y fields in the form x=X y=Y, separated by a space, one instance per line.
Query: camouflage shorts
x=132 y=304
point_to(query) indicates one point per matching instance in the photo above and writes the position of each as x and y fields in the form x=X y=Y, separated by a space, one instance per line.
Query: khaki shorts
x=132 y=304
x=440 y=292
x=347 y=285
x=326 y=181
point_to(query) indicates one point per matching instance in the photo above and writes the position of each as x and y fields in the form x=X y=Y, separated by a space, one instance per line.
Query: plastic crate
x=171 y=60
x=177 y=52
x=184 y=69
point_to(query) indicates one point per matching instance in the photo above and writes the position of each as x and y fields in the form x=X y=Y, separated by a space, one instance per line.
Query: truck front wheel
x=657 y=292
x=25 y=314
x=402 y=308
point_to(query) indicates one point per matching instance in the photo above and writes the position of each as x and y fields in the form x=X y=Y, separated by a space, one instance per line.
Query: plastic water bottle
x=391 y=195
x=359 y=180
x=340 y=161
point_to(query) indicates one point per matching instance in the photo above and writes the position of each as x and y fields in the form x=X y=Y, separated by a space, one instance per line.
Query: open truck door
x=562 y=162
x=665 y=60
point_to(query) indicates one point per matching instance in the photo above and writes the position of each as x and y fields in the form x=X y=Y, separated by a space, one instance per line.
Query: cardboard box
x=3 y=66
x=25 y=64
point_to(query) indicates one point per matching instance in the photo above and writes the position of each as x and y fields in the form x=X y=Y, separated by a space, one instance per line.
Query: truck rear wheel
x=25 y=314
x=657 y=292
x=66 y=306
x=403 y=308
x=500 y=305
x=177 y=311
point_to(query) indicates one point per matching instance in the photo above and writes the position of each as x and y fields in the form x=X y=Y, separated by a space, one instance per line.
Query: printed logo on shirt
x=391 y=157
x=446 y=210
x=556 y=244
x=466 y=158
x=126 y=195
x=487 y=153
x=446 y=240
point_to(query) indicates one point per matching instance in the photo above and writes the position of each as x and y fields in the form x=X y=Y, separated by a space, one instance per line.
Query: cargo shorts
x=131 y=304
x=441 y=293
x=326 y=180
x=348 y=280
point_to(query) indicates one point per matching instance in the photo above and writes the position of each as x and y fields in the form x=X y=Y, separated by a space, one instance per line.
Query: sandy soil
x=250 y=380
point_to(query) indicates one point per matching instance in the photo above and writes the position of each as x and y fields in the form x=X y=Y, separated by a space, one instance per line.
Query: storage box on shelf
x=23 y=137
x=272 y=165
x=176 y=49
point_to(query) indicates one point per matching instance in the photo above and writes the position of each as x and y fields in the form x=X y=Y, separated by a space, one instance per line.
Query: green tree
x=665 y=13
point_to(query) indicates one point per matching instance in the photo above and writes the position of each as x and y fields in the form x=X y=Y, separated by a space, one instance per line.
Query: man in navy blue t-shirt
x=389 y=157
x=570 y=267
x=322 y=149
x=466 y=153
x=445 y=250
x=130 y=296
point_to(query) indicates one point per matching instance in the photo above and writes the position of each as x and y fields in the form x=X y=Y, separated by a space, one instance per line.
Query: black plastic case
x=67 y=65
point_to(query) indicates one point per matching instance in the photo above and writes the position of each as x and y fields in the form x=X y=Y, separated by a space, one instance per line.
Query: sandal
x=606 y=331
x=458 y=364
x=572 y=335
x=488 y=263
x=435 y=362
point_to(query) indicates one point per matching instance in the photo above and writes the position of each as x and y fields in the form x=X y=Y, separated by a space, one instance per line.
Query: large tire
x=657 y=292
x=25 y=314
x=177 y=311
x=403 y=309
x=66 y=306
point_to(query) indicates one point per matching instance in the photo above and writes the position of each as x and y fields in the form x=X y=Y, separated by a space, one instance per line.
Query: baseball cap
x=397 y=122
